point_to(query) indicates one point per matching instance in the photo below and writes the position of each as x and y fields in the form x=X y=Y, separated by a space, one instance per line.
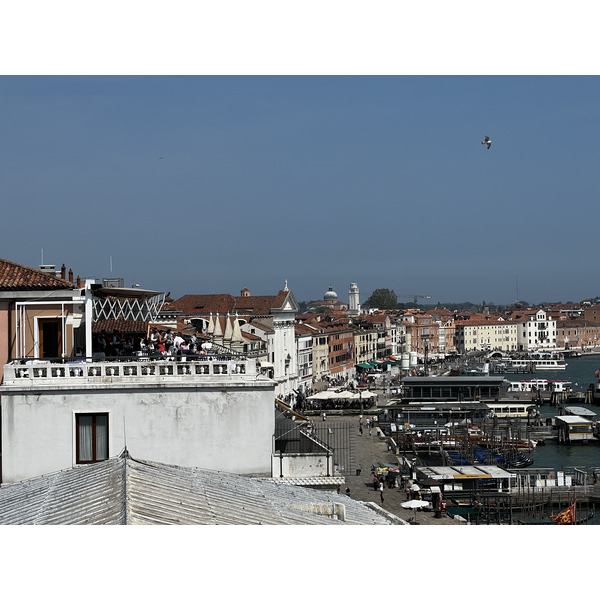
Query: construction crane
x=415 y=296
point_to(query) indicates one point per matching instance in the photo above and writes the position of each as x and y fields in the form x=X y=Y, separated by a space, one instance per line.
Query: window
x=91 y=437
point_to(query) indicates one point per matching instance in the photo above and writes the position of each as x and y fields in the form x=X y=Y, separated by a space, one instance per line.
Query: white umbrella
x=414 y=504
x=414 y=487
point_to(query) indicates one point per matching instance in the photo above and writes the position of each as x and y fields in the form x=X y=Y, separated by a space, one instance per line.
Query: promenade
x=367 y=451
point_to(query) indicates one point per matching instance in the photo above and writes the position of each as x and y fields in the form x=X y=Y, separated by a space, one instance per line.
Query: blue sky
x=318 y=180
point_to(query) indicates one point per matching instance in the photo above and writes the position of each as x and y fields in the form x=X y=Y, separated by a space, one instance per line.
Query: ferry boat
x=535 y=361
x=541 y=385
x=511 y=410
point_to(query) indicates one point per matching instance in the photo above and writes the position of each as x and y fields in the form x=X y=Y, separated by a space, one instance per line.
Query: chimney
x=63 y=272
x=70 y=275
x=79 y=284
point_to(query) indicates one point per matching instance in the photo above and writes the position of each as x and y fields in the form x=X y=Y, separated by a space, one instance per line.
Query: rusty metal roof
x=123 y=490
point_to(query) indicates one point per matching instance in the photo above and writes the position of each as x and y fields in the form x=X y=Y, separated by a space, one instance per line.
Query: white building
x=484 y=332
x=212 y=414
x=536 y=331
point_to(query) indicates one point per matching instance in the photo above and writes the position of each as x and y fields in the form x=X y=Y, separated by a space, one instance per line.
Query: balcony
x=128 y=373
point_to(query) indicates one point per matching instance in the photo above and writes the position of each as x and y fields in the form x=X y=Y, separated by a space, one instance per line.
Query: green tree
x=383 y=299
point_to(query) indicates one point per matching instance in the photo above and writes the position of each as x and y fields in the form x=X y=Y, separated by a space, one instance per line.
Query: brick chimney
x=70 y=275
x=63 y=272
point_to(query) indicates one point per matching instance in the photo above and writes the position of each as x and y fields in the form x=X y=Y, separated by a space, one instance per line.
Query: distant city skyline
x=200 y=184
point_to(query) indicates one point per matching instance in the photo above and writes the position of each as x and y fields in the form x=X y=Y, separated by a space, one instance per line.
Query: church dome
x=330 y=294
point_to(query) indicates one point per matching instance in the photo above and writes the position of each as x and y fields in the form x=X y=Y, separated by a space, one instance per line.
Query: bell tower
x=354 y=304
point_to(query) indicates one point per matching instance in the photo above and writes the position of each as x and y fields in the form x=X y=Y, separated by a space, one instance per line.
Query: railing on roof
x=139 y=369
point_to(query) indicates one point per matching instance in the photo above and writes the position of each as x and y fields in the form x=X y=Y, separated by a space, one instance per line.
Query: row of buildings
x=65 y=402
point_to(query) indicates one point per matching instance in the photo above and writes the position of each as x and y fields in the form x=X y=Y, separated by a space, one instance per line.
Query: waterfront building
x=365 y=342
x=485 y=332
x=423 y=331
x=379 y=325
x=340 y=337
x=446 y=330
x=457 y=389
x=304 y=342
x=536 y=329
x=580 y=334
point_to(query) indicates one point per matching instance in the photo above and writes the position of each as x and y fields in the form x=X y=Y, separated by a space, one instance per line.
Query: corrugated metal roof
x=124 y=490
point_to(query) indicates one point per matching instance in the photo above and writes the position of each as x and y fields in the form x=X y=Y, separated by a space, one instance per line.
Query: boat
x=533 y=365
x=585 y=519
x=539 y=385
x=456 y=458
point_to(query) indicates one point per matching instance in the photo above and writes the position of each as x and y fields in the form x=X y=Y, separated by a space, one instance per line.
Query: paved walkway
x=367 y=451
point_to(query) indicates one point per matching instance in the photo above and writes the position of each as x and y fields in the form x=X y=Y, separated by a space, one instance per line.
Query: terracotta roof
x=204 y=304
x=121 y=326
x=302 y=329
x=478 y=321
x=19 y=278
x=261 y=326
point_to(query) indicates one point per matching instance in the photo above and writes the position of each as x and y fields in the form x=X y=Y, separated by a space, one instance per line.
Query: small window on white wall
x=91 y=437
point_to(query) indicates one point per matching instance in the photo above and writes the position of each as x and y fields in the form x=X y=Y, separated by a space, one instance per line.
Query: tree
x=383 y=299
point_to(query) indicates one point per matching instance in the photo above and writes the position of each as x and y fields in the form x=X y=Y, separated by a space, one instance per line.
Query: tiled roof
x=204 y=304
x=123 y=491
x=121 y=326
x=302 y=329
x=20 y=278
x=479 y=321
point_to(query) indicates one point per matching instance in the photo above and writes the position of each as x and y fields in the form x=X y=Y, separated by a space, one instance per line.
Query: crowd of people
x=160 y=343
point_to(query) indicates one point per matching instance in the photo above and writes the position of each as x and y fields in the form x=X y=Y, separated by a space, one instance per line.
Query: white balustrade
x=48 y=374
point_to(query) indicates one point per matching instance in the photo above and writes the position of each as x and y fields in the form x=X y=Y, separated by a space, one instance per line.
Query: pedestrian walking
x=347 y=491
x=381 y=495
x=375 y=482
x=360 y=430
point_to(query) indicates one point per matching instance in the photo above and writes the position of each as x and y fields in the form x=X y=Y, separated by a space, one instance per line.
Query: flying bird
x=487 y=141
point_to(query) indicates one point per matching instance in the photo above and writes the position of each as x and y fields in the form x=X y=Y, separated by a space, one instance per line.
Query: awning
x=265 y=365
x=364 y=365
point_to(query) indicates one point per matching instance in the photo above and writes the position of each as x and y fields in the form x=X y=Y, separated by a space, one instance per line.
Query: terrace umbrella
x=414 y=504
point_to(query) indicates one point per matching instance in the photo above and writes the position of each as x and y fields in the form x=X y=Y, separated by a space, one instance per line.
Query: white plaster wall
x=302 y=465
x=226 y=429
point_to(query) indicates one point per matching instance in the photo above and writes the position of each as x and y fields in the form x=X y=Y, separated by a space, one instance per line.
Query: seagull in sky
x=487 y=141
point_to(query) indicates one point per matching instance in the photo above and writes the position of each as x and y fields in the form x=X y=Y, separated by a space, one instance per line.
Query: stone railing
x=37 y=372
